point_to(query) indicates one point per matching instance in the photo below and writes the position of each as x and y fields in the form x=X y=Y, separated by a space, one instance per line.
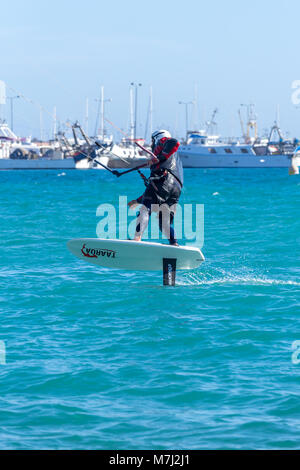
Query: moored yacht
x=203 y=151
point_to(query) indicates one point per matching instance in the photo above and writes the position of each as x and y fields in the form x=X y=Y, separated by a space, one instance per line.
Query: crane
x=211 y=125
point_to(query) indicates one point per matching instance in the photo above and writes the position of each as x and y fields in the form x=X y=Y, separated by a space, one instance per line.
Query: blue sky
x=60 y=53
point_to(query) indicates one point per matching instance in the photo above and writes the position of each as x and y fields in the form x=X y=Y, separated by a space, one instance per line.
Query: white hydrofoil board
x=131 y=255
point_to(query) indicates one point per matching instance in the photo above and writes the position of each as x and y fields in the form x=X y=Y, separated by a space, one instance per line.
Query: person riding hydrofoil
x=163 y=188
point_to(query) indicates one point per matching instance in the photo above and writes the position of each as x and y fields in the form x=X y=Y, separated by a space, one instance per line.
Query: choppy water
x=107 y=359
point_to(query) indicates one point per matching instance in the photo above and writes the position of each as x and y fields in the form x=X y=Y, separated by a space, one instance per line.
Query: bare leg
x=142 y=222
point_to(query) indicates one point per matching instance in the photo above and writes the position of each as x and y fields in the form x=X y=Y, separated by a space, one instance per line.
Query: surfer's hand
x=132 y=204
x=154 y=160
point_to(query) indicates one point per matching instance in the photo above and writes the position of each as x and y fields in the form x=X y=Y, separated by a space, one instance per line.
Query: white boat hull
x=197 y=160
x=37 y=164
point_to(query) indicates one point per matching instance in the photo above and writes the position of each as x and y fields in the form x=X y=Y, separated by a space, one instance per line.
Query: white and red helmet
x=157 y=135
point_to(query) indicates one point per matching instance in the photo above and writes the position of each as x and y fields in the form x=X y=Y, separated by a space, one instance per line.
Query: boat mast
x=97 y=117
x=251 y=122
x=2 y=98
x=54 y=123
x=211 y=126
x=150 y=112
x=41 y=124
x=242 y=126
x=149 y=116
x=131 y=114
x=87 y=116
x=102 y=113
x=135 y=85
x=196 y=113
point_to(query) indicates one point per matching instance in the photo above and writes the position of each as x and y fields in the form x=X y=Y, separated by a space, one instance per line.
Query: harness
x=174 y=176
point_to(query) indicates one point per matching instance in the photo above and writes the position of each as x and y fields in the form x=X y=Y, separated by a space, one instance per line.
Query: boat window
x=228 y=150
x=212 y=150
x=244 y=150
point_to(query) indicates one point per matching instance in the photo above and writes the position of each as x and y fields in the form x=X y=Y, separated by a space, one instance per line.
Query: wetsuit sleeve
x=139 y=199
x=168 y=148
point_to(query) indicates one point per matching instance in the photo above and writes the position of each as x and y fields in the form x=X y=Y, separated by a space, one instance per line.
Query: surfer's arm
x=170 y=147
x=165 y=150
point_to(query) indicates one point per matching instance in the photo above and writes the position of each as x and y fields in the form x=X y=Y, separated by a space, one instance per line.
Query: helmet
x=157 y=135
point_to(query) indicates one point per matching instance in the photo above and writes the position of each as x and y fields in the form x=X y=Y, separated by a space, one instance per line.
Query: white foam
x=194 y=279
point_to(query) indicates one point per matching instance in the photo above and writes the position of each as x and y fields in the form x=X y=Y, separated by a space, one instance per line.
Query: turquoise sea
x=98 y=359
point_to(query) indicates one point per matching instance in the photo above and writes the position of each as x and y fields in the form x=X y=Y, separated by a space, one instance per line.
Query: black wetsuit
x=164 y=187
